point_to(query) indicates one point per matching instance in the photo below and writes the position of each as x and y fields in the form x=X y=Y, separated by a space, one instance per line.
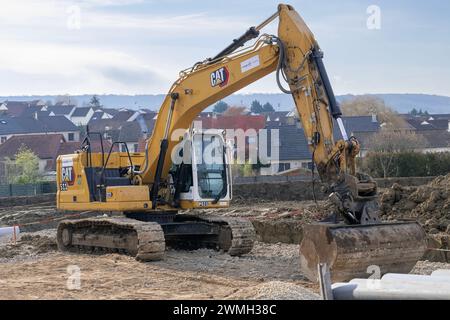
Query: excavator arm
x=294 y=55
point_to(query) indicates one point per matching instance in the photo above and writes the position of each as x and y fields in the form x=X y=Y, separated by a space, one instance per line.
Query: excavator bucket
x=361 y=251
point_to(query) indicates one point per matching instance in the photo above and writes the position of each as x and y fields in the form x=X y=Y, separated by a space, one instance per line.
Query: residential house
x=293 y=149
x=100 y=114
x=126 y=115
x=244 y=131
x=243 y=122
x=44 y=146
x=20 y=108
x=280 y=118
x=290 y=147
x=436 y=141
x=110 y=111
x=132 y=133
x=132 y=115
x=435 y=130
x=19 y=126
x=61 y=110
x=82 y=116
x=47 y=147
x=109 y=128
x=429 y=123
x=361 y=127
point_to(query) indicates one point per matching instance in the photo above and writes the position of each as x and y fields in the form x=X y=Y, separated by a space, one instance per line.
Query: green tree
x=221 y=107
x=414 y=112
x=24 y=169
x=95 y=102
x=267 y=107
x=256 y=107
x=246 y=170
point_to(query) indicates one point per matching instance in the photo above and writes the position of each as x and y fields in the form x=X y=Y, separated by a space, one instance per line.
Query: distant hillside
x=402 y=103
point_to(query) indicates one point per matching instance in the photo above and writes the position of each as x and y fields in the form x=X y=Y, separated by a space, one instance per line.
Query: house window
x=123 y=147
x=71 y=137
x=284 y=167
x=135 y=146
x=3 y=139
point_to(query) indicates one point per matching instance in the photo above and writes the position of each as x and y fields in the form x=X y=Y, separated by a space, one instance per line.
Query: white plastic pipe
x=7 y=233
x=441 y=273
x=363 y=289
x=415 y=278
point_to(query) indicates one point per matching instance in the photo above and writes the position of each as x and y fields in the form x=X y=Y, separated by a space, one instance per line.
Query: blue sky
x=138 y=47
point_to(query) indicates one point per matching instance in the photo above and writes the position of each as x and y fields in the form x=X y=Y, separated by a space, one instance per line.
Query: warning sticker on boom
x=249 y=64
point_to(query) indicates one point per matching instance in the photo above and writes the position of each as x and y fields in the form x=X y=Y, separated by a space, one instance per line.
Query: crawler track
x=147 y=240
x=243 y=234
x=143 y=240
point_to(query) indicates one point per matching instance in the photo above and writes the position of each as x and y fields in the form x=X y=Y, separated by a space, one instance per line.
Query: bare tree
x=234 y=111
x=66 y=100
x=385 y=144
x=371 y=105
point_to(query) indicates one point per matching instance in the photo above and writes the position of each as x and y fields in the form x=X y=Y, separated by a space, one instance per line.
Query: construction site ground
x=34 y=269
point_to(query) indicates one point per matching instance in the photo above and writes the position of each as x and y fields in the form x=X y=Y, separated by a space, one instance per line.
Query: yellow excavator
x=150 y=188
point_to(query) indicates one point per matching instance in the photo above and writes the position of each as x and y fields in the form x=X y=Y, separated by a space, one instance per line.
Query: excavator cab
x=201 y=177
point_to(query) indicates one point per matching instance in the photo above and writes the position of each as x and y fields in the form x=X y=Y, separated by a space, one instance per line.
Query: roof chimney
x=374 y=118
x=36 y=115
x=448 y=125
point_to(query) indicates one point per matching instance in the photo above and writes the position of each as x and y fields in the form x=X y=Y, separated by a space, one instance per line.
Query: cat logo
x=67 y=175
x=220 y=77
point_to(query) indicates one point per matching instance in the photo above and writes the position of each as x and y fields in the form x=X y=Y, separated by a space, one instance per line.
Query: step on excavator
x=149 y=189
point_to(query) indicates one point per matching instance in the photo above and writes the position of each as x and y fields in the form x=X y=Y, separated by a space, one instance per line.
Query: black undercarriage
x=188 y=232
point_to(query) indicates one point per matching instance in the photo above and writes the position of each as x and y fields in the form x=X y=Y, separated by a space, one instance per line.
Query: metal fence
x=15 y=190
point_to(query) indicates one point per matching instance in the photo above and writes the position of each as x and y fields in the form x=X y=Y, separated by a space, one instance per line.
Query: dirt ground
x=33 y=268
x=429 y=204
x=37 y=271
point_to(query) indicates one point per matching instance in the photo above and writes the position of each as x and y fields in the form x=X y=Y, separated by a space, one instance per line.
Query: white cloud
x=83 y=69
x=95 y=3
x=37 y=46
x=51 y=13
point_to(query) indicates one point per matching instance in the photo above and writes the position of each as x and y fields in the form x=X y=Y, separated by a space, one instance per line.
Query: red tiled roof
x=243 y=122
x=45 y=146
x=16 y=108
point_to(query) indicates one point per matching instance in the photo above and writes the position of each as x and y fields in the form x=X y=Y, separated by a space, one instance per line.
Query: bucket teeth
x=361 y=251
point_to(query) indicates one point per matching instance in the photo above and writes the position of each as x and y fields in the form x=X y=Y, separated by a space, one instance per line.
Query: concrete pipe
x=362 y=289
